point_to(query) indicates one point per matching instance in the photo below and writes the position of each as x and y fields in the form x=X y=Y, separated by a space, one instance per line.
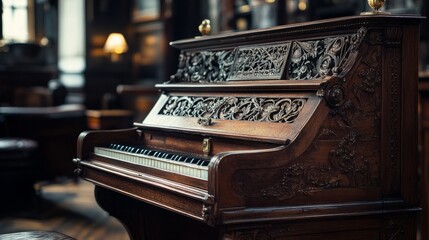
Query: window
x=71 y=42
x=15 y=20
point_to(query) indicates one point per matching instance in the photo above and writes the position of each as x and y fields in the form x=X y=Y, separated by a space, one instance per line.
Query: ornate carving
x=264 y=62
x=325 y=57
x=309 y=60
x=301 y=178
x=204 y=66
x=304 y=177
x=350 y=163
x=280 y=110
x=335 y=95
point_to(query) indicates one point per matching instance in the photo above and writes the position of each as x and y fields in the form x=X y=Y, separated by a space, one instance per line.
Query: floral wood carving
x=204 y=66
x=266 y=62
x=325 y=57
x=352 y=162
x=303 y=60
x=279 y=110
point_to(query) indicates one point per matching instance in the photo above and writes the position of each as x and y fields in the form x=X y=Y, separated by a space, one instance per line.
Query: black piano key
x=159 y=154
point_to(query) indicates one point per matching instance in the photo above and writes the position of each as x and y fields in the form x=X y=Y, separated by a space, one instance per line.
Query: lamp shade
x=116 y=44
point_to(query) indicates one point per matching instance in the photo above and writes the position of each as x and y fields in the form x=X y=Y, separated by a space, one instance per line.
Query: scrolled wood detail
x=349 y=163
x=257 y=109
x=204 y=66
x=324 y=57
x=260 y=62
x=301 y=60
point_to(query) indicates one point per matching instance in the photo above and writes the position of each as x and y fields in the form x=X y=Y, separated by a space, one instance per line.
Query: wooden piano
x=304 y=131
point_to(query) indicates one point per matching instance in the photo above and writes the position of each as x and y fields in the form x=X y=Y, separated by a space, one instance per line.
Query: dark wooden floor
x=68 y=208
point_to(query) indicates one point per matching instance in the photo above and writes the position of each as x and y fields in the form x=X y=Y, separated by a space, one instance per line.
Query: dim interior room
x=254 y=119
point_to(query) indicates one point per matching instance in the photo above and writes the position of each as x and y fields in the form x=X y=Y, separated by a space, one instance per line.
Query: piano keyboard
x=171 y=162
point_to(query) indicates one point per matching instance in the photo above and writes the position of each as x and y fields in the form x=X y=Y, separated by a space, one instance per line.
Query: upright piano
x=303 y=131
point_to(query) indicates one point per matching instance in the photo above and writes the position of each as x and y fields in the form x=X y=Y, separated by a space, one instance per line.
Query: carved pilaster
x=392 y=43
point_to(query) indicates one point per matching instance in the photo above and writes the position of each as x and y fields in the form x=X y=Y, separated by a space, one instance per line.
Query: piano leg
x=145 y=221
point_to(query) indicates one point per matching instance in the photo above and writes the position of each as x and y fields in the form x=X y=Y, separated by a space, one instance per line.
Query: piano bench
x=35 y=235
x=18 y=165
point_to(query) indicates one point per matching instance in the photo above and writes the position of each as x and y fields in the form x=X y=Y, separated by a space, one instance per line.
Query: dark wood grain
x=342 y=164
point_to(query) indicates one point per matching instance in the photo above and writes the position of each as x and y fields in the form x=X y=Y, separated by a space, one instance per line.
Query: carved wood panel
x=346 y=152
x=257 y=109
x=324 y=57
x=303 y=60
x=264 y=62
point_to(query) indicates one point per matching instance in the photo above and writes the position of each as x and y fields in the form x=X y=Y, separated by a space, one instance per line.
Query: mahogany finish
x=424 y=101
x=311 y=132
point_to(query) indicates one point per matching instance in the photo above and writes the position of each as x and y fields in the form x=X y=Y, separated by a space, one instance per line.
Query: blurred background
x=72 y=65
x=66 y=40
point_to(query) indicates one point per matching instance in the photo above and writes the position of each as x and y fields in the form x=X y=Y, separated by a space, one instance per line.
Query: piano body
x=304 y=131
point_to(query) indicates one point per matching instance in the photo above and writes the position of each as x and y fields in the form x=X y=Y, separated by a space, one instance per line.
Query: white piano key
x=178 y=167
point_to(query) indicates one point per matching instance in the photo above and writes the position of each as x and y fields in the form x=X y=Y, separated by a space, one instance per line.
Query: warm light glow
x=244 y=9
x=270 y=1
x=302 y=5
x=116 y=44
